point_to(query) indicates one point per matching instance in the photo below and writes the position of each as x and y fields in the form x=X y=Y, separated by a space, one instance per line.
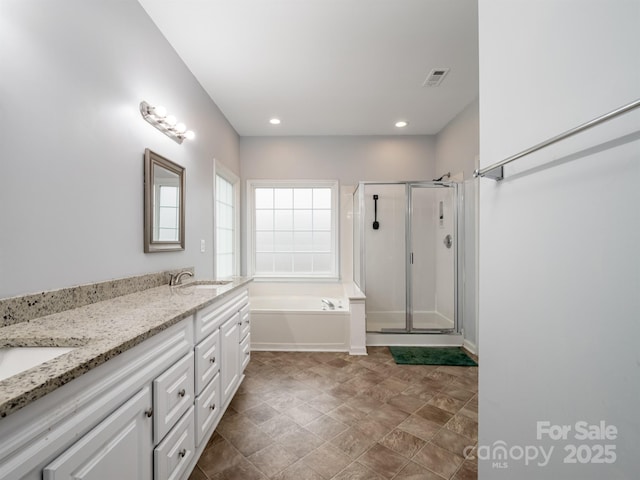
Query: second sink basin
x=14 y=360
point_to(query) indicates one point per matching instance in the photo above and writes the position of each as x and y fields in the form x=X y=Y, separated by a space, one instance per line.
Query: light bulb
x=274 y=121
x=181 y=128
x=170 y=120
x=189 y=135
x=159 y=111
x=401 y=124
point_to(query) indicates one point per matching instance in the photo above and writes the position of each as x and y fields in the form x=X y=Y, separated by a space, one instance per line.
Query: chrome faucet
x=176 y=279
x=329 y=303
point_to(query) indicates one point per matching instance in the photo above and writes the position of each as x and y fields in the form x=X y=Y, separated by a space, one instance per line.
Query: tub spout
x=329 y=303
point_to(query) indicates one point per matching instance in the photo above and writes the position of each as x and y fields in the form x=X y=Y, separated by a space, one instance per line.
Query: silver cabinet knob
x=212 y=359
x=182 y=453
x=212 y=407
x=149 y=413
x=182 y=393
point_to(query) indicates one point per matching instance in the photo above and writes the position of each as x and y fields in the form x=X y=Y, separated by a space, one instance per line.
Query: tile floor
x=321 y=416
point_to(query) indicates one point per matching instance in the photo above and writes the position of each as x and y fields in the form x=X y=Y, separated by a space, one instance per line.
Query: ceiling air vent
x=435 y=77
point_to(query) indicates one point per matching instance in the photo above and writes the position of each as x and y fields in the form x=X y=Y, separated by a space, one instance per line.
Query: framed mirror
x=164 y=193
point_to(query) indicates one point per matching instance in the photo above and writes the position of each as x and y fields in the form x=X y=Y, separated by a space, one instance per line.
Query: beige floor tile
x=326 y=461
x=420 y=427
x=303 y=414
x=298 y=471
x=434 y=414
x=357 y=471
x=299 y=441
x=326 y=427
x=446 y=403
x=438 y=460
x=272 y=460
x=383 y=461
x=402 y=442
x=352 y=442
x=413 y=471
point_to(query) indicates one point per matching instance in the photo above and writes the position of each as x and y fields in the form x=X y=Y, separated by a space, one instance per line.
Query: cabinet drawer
x=113 y=449
x=174 y=454
x=172 y=396
x=245 y=352
x=210 y=318
x=208 y=410
x=245 y=324
x=207 y=360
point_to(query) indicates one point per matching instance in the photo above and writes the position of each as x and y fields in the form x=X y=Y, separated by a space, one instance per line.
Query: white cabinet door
x=119 y=447
x=230 y=350
x=173 y=394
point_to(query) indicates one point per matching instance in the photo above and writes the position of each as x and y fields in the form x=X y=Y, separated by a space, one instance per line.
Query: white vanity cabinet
x=146 y=414
x=113 y=449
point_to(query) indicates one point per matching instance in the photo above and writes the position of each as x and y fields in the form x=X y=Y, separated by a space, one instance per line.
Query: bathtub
x=299 y=322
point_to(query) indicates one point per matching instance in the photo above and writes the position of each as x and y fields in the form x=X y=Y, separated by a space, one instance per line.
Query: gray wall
x=349 y=159
x=72 y=76
x=458 y=143
x=559 y=237
x=457 y=149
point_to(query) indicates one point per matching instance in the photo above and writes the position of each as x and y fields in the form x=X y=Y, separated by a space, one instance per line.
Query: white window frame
x=220 y=170
x=334 y=185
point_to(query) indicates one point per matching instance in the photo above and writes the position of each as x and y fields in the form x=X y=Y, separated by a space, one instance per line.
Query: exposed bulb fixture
x=274 y=121
x=167 y=124
x=401 y=124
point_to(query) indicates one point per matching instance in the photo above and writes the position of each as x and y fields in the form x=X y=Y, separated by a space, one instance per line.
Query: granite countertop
x=99 y=331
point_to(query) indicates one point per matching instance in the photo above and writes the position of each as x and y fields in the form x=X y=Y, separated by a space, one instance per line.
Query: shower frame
x=457 y=245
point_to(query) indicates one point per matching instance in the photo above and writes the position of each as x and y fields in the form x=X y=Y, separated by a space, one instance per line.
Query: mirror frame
x=151 y=160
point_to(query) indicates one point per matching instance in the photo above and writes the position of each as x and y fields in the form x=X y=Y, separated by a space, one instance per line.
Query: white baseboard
x=470 y=346
x=298 y=347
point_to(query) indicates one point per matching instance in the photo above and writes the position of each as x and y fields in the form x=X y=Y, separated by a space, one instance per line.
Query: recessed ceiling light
x=274 y=121
x=401 y=124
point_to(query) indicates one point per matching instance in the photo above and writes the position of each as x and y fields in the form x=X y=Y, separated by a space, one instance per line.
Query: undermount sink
x=207 y=283
x=14 y=360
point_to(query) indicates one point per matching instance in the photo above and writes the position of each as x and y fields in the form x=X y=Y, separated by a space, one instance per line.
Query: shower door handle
x=411 y=260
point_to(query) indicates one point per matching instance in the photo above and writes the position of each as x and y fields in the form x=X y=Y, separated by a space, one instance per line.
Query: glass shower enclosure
x=406 y=247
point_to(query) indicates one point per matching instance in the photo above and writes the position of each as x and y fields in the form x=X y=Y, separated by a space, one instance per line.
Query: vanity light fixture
x=401 y=124
x=167 y=124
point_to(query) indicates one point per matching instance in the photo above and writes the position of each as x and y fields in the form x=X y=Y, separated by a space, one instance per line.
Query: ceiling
x=327 y=67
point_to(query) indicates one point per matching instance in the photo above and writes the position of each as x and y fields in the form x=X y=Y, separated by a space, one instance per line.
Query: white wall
x=559 y=237
x=71 y=202
x=349 y=159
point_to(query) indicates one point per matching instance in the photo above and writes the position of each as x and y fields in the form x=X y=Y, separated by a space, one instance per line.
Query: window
x=167 y=214
x=294 y=229
x=226 y=221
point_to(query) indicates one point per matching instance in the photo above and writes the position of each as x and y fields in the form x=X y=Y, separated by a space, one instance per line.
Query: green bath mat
x=431 y=356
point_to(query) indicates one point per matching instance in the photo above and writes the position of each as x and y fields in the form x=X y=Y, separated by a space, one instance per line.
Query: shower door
x=406 y=255
x=431 y=262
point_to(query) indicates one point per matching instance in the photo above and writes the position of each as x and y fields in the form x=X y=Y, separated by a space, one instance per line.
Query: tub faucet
x=329 y=303
x=176 y=279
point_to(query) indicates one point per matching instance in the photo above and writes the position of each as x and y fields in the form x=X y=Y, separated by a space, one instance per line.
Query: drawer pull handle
x=182 y=453
x=212 y=407
x=182 y=393
x=149 y=413
x=212 y=359
x=247 y=353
